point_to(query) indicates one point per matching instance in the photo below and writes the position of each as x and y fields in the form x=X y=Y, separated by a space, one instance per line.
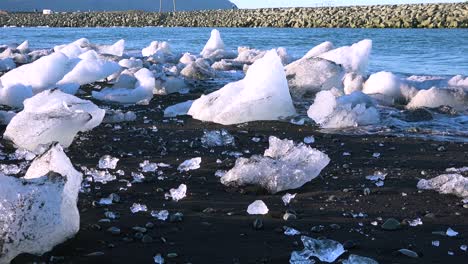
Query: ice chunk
x=90 y=70
x=52 y=116
x=7 y=64
x=287 y=198
x=178 y=109
x=179 y=193
x=436 y=97
x=198 y=70
x=214 y=48
x=131 y=63
x=15 y=95
x=136 y=207
x=355 y=259
x=142 y=93
x=451 y=233
x=147 y=166
x=319 y=49
x=262 y=95
x=325 y=250
x=309 y=140
x=247 y=55
x=454 y=184
x=40 y=75
x=217 y=138
x=170 y=85
x=39 y=211
x=160 y=215
x=191 y=164
x=346 y=111
x=158 y=259
x=160 y=52
x=311 y=75
x=353 y=82
x=117 y=116
x=257 y=208
x=9 y=169
x=187 y=58
x=108 y=162
x=458 y=81
x=23 y=47
x=116 y=49
x=384 y=83
x=353 y=58
x=284 y=166
x=291 y=231
x=100 y=176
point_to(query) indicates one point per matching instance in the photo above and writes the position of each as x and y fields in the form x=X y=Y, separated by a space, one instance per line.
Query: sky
x=313 y=3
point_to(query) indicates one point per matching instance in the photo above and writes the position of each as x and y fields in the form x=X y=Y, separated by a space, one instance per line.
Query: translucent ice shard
x=40 y=210
x=191 y=164
x=325 y=250
x=52 y=116
x=179 y=193
x=351 y=110
x=217 y=138
x=262 y=95
x=108 y=162
x=214 y=48
x=283 y=166
x=454 y=184
x=257 y=208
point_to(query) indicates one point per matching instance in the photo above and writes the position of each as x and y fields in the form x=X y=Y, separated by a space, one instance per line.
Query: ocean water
x=405 y=52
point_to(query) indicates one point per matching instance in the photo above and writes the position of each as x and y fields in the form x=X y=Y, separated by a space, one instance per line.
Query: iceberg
x=39 y=211
x=142 y=93
x=262 y=95
x=160 y=52
x=312 y=75
x=351 y=110
x=284 y=166
x=353 y=58
x=454 y=184
x=52 y=116
x=384 y=83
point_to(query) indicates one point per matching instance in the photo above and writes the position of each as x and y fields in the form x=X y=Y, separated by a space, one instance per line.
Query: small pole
x=160 y=6
x=174 y=1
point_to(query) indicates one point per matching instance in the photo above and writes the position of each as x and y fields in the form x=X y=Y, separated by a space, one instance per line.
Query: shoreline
x=378 y=16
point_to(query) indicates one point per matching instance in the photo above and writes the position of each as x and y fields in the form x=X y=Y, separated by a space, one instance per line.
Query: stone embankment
x=384 y=16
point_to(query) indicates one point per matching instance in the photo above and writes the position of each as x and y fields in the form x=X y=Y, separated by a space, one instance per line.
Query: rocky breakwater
x=383 y=16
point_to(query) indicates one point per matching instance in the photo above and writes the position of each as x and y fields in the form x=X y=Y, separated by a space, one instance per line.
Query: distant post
x=160 y=6
x=174 y=2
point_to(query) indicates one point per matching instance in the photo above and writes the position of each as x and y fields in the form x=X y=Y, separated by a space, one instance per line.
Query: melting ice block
x=435 y=97
x=52 y=116
x=40 y=75
x=15 y=95
x=319 y=49
x=7 y=64
x=159 y=51
x=312 y=75
x=191 y=164
x=454 y=184
x=116 y=49
x=214 y=48
x=257 y=208
x=284 y=166
x=262 y=95
x=351 y=110
x=179 y=193
x=178 y=109
x=142 y=93
x=40 y=210
x=200 y=69
x=384 y=83
x=90 y=69
x=353 y=58
x=325 y=250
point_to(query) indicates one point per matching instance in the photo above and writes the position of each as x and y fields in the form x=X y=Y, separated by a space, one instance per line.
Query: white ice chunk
x=353 y=58
x=40 y=75
x=116 y=49
x=214 y=48
x=187 y=58
x=284 y=166
x=178 y=109
x=319 y=50
x=160 y=52
x=451 y=233
x=287 y=198
x=217 y=138
x=179 y=193
x=454 y=184
x=15 y=95
x=257 y=208
x=108 y=162
x=191 y=164
x=436 y=97
x=325 y=250
x=142 y=93
x=353 y=82
x=458 y=81
x=136 y=208
x=355 y=259
x=147 y=166
x=23 y=47
x=346 y=111
x=52 y=116
x=384 y=83
x=7 y=64
x=131 y=63
x=311 y=75
x=262 y=95
x=39 y=211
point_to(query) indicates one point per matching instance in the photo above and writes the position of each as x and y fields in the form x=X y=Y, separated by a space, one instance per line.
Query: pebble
x=114 y=230
x=408 y=253
x=147 y=239
x=391 y=224
x=257 y=224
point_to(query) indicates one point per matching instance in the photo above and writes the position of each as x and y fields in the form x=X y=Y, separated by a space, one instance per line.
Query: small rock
x=147 y=239
x=391 y=224
x=408 y=253
x=257 y=224
x=114 y=230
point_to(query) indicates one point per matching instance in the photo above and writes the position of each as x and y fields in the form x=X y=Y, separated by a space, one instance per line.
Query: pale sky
x=313 y=3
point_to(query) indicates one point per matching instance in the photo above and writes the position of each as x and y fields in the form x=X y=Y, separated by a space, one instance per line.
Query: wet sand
x=216 y=227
